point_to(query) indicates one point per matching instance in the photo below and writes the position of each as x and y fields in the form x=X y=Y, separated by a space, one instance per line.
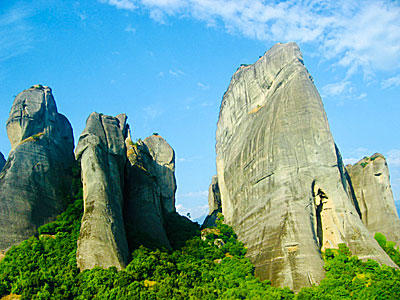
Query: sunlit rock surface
x=214 y=203
x=35 y=183
x=371 y=184
x=150 y=190
x=280 y=175
x=102 y=153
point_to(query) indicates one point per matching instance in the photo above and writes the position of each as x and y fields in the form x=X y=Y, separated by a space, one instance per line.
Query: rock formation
x=214 y=203
x=281 y=180
x=36 y=180
x=102 y=153
x=2 y=161
x=150 y=191
x=371 y=184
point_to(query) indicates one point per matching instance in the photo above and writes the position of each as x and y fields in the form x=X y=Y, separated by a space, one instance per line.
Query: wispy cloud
x=193 y=212
x=334 y=89
x=393 y=158
x=153 y=111
x=198 y=194
x=176 y=72
x=356 y=35
x=129 y=28
x=391 y=82
x=15 y=32
x=202 y=86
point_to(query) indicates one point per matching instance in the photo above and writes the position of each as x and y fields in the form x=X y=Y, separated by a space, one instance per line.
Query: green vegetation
x=210 y=264
x=389 y=247
x=364 y=164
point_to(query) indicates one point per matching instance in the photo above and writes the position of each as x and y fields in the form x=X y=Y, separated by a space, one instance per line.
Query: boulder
x=102 y=154
x=35 y=183
x=371 y=184
x=2 y=161
x=214 y=203
x=150 y=191
x=280 y=175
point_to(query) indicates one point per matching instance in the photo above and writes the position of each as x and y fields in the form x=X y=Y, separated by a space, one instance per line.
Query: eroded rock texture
x=214 y=203
x=2 y=161
x=150 y=191
x=102 y=153
x=371 y=183
x=281 y=180
x=36 y=180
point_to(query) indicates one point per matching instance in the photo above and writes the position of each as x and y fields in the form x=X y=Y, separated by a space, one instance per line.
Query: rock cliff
x=36 y=180
x=102 y=153
x=2 y=161
x=150 y=191
x=280 y=175
x=214 y=203
x=371 y=184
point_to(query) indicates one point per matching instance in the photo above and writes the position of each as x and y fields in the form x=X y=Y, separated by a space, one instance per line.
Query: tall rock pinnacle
x=101 y=150
x=371 y=184
x=281 y=180
x=36 y=181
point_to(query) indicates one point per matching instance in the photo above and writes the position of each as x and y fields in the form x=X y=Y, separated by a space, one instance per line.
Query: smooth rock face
x=2 y=161
x=164 y=156
x=145 y=194
x=214 y=203
x=36 y=180
x=280 y=175
x=102 y=153
x=371 y=183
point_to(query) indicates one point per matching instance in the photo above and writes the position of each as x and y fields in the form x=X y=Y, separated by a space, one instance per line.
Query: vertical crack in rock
x=102 y=153
x=272 y=141
x=35 y=183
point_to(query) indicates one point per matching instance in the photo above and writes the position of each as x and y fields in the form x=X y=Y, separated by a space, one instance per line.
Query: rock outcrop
x=214 y=203
x=102 y=153
x=371 y=185
x=281 y=180
x=2 y=161
x=164 y=171
x=150 y=191
x=36 y=180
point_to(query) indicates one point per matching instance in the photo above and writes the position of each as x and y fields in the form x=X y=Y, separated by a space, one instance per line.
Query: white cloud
x=350 y=161
x=357 y=35
x=194 y=212
x=15 y=32
x=176 y=73
x=391 y=82
x=120 y=4
x=334 y=89
x=153 y=111
x=202 y=86
x=129 y=28
x=393 y=158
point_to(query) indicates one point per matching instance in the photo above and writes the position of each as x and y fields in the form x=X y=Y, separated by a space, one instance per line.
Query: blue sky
x=167 y=63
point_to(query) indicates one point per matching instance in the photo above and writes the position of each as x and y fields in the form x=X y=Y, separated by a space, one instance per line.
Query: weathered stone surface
x=102 y=153
x=36 y=180
x=371 y=184
x=164 y=156
x=2 y=161
x=146 y=191
x=214 y=203
x=280 y=175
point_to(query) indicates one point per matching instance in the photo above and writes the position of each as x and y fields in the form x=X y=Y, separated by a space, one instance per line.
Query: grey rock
x=280 y=175
x=164 y=156
x=2 y=161
x=371 y=184
x=35 y=183
x=102 y=153
x=214 y=203
x=147 y=194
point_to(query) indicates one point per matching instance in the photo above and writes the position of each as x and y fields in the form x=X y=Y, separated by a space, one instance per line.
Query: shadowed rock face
x=280 y=175
x=36 y=180
x=214 y=203
x=2 y=161
x=150 y=190
x=371 y=184
x=101 y=150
